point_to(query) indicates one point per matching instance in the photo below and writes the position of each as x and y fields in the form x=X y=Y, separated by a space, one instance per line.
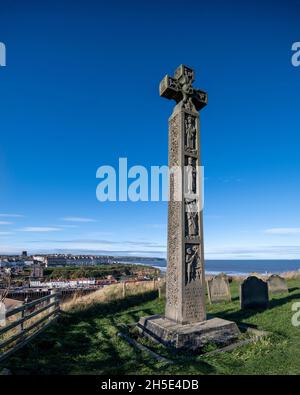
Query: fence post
x=58 y=296
x=52 y=300
x=124 y=289
x=161 y=289
x=23 y=315
x=2 y=314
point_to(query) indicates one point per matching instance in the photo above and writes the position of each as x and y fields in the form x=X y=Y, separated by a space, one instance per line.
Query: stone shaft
x=185 y=293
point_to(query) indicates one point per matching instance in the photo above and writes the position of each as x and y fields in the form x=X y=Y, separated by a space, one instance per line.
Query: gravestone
x=218 y=289
x=184 y=324
x=258 y=275
x=254 y=293
x=277 y=284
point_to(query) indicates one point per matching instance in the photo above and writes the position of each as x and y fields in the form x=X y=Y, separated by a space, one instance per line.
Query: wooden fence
x=31 y=319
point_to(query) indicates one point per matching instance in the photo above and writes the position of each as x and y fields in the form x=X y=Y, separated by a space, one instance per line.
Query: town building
x=63 y=283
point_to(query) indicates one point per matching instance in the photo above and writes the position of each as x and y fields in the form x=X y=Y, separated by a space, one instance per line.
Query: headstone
x=259 y=275
x=218 y=289
x=277 y=284
x=185 y=312
x=254 y=293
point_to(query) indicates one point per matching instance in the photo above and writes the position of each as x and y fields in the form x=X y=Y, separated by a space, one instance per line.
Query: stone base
x=190 y=336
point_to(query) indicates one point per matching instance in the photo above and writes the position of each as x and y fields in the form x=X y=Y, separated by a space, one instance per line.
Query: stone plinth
x=191 y=336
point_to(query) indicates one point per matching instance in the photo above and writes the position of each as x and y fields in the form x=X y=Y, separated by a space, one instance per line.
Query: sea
x=234 y=267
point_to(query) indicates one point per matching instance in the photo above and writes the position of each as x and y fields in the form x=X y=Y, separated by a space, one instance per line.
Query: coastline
x=237 y=269
x=289 y=275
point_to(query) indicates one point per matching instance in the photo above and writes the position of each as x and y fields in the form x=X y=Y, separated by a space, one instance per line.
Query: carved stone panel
x=193 y=292
x=191 y=219
x=190 y=177
x=193 y=269
x=190 y=133
x=174 y=224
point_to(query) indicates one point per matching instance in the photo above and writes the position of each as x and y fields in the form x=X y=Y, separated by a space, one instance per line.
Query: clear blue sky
x=80 y=90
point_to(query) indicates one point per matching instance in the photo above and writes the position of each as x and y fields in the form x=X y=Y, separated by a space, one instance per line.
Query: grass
x=85 y=341
x=109 y=293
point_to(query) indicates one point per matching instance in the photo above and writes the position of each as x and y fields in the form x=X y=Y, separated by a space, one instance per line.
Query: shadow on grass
x=241 y=315
x=279 y=302
x=85 y=341
x=293 y=289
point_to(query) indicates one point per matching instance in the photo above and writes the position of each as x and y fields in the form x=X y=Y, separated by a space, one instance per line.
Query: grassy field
x=85 y=341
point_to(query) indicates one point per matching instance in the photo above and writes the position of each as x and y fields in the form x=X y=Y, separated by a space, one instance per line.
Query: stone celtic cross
x=180 y=89
x=185 y=270
x=184 y=324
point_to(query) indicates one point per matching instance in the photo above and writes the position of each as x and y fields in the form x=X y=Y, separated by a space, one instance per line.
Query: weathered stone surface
x=254 y=293
x=277 y=284
x=185 y=294
x=191 y=336
x=218 y=289
x=262 y=276
x=184 y=324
